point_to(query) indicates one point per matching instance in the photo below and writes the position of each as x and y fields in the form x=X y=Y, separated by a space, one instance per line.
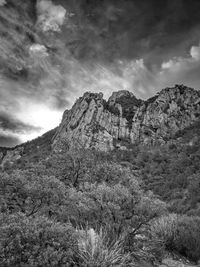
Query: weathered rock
x=160 y=118
x=169 y=262
x=95 y=123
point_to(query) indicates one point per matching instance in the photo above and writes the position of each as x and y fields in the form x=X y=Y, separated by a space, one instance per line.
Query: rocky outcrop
x=89 y=123
x=161 y=117
x=123 y=119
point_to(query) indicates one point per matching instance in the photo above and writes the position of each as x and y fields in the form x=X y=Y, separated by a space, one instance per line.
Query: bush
x=187 y=240
x=35 y=242
x=96 y=250
x=165 y=229
x=180 y=234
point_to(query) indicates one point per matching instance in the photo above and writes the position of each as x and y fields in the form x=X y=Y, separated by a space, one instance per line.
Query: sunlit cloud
x=40 y=116
x=184 y=70
x=37 y=50
x=195 y=52
x=50 y=16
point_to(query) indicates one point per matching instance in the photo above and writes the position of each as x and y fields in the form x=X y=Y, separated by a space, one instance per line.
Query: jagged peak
x=181 y=88
x=174 y=92
x=118 y=94
x=92 y=95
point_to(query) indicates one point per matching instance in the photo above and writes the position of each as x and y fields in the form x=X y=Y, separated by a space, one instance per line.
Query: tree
x=35 y=241
x=24 y=192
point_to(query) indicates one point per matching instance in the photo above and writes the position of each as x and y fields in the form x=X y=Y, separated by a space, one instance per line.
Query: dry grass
x=95 y=250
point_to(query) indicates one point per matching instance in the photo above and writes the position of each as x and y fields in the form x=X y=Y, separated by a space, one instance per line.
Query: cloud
x=50 y=16
x=7 y=140
x=184 y=70
x=12 y=124
x=123 y=74
x=180 y=64
x=195 y=52
x=38 y=50
x=141 y=46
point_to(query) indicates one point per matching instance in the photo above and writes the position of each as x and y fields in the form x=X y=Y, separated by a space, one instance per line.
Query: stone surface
x=124 y=120
x=160 y=118
x=169 y=262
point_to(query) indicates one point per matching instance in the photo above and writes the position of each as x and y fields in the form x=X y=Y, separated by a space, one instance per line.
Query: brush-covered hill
x=118 y=178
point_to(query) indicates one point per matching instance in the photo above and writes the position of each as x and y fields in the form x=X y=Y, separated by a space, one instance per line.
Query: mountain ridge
x=102 y=125
x=118 y=123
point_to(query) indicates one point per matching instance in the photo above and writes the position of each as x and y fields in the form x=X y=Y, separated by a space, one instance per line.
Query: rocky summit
x=123 y=120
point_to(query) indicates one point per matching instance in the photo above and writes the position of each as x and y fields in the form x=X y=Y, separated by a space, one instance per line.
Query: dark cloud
x=9 y=140
x=110 y=29
x=12 y=124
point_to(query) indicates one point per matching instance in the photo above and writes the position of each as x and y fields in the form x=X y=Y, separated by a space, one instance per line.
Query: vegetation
x=80 y=207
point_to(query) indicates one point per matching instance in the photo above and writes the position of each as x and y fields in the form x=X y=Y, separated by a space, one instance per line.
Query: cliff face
x=94 y=123
x=162 y=116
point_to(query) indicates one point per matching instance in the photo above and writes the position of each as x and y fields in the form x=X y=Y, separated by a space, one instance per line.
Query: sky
x=52 y=51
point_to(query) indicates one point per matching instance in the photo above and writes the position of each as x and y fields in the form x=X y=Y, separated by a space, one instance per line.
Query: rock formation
x=123 y=119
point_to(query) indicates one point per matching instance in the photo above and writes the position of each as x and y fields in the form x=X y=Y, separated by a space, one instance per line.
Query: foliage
x=95 y=249
x=180 y=234
x=22 y=191
x=165 y=229
x=171 y=172
x=187 y=241
x=35 y=241
x=147 y=195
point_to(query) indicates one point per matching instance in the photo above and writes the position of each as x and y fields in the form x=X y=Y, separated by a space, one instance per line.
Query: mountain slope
x=150 y=193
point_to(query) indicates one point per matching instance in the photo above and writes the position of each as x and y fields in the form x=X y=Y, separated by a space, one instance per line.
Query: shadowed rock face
x=123 y=119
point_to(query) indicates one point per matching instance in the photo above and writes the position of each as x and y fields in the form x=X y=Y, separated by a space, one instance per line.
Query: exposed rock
x=169 y=262
x=123 y=120
x=95 y=123
x=88 y=123
x=172 y=110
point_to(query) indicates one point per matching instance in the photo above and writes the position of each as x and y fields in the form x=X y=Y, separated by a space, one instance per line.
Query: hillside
x=117 y=182
x=122 y=172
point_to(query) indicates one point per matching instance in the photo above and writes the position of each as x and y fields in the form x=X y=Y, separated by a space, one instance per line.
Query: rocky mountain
x=124 y=119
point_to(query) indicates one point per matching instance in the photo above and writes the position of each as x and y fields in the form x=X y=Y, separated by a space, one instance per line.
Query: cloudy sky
x=52 y=51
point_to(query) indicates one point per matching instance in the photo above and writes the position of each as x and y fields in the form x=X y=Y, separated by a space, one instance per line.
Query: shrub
x=187 y=240
x=165 y=229
x=179 y=234
x=96 y=250
x=35 y=242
